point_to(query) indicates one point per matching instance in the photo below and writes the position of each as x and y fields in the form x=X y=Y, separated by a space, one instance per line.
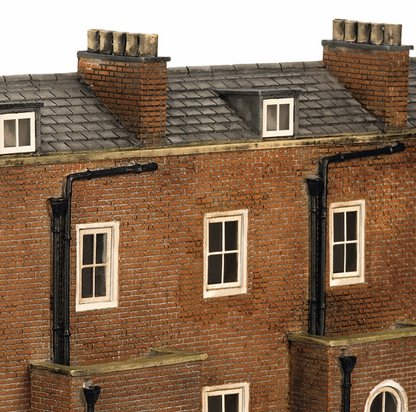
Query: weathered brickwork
x=135 y=91
x=317 y=376
x=376 y=78
x=173 y=388
x=161 y=271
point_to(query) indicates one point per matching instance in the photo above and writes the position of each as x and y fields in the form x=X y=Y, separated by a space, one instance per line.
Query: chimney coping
x=113 y=57
x=384 y=47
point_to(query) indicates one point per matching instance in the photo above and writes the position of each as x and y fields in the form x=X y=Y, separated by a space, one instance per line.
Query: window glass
x=284 y=117
x=24 y=132
x=10 y=133
x=272 y=117
x=347 y=243
x=225 y=253
x=97 y=275
x=231 y=402
x=215 y=403
x=17 y=132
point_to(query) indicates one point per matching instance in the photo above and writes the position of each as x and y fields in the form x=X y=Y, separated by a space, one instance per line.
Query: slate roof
x=197 y=114
x=73 y=119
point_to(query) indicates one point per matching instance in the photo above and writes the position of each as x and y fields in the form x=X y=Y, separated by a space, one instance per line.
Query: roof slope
x=73 y=119
x=197 y=114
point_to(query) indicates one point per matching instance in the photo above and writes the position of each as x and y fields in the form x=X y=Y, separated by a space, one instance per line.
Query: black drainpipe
x=320 y=247
x=58 y=209
x=347 y=364
x=315 y=189
x=65 y=286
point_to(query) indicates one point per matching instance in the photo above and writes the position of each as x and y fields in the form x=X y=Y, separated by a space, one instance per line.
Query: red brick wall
x=168 y=388
x=161 y=262
x=134 y=91
x=379 y=79
x=317 y=377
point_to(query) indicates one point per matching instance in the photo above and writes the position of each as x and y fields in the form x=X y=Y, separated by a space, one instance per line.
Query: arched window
x=388 y=396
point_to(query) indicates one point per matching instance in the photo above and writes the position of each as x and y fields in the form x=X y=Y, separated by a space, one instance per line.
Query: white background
x=43 y=36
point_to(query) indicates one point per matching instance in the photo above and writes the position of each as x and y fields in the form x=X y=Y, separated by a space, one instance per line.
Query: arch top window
x=388 y=396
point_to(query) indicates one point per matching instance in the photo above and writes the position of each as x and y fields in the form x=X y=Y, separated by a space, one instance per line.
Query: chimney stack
x=369 y=59
x=126 y=74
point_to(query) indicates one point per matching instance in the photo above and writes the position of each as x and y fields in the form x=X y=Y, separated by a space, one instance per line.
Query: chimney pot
x=350 y=31
x=338 y=29
x=148 y=45
x=132 y=44
x=119 y=43
x=93 y=41
x=377 y=33
x=106 y=41
x=393 y=34
x=363 y=33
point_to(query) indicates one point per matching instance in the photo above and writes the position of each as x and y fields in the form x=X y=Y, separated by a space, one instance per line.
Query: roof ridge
x=245 y=67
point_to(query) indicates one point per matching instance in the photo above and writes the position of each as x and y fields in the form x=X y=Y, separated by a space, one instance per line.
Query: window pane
x=215 y=237
x=215 y=403
x=231 y=235
x=101 y=248
x=231 y=403
x=338 y=227
x=9 y=133
x=100 y=286
x=352 y=225
x=338 y=262
x=271 y=117
x=377 y=404
x=87 y=249
x=230 y=267
x=214 y=269
x=86 y=287
x=24 y=132
x=351 y=259
x=284 y=119
x=390 y=402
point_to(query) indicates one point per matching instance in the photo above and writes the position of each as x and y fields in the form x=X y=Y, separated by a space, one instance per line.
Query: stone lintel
x=158 y=357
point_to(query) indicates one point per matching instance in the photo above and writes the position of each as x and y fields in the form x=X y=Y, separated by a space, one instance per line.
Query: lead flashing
x=356 y=46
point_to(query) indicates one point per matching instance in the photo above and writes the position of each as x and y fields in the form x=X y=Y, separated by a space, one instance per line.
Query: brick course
x=161 y=263
x=379 y=79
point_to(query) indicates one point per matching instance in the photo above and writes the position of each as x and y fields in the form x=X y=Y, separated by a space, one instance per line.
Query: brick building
x=225 y=238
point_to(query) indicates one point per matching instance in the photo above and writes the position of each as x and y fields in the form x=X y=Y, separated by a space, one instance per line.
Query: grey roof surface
x=73 y=119
x=197 y=114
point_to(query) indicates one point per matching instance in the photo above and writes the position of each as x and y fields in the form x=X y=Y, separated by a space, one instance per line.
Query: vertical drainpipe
x=58 y=209
x=347 y=364
x=88 y=175
x=320 y=247
x=315 y=189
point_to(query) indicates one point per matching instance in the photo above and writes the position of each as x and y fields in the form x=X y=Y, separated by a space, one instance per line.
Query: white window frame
x=111 y=299
x=348 y=278
x=18 y=149
x=278 y=103
x=242 y=389
x=240 y=286
x=395 y=389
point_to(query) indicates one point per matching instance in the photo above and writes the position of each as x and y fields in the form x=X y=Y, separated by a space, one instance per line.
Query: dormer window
x=269 y=112
x=17 y=132
x=278 y=117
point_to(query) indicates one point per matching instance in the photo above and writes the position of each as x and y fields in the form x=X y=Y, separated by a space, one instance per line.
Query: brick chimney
x=370 y=61
x=126 y=74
